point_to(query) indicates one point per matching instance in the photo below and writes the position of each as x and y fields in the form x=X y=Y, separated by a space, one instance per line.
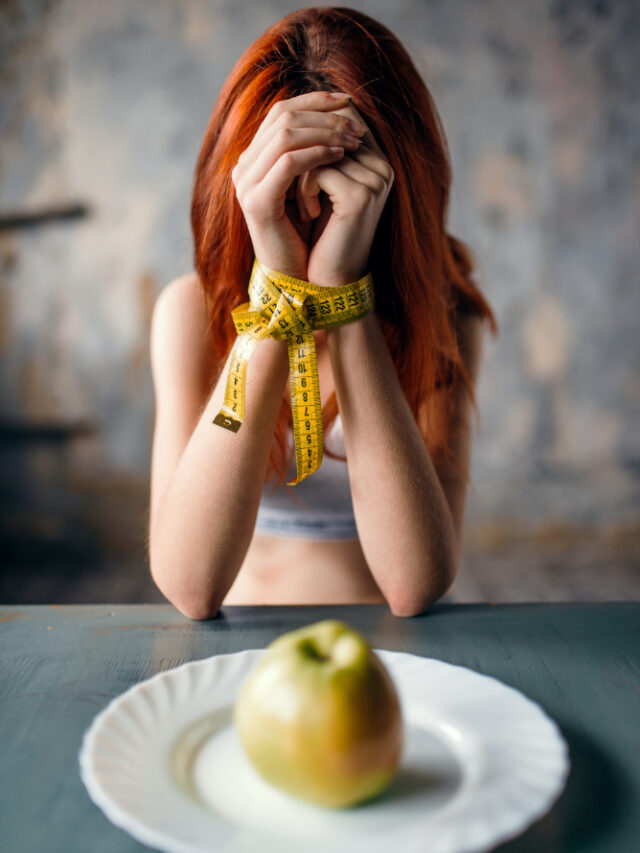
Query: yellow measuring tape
x=290 y=309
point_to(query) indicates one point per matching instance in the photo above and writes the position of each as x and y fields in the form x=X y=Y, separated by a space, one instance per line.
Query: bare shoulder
x=180 y=337
x=182 y=299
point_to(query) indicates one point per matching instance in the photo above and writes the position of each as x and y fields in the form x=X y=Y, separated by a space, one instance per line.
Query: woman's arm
x=206 y=482
x=409 y=522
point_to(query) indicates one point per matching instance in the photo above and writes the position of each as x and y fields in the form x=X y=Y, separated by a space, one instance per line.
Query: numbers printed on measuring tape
x=289 y=309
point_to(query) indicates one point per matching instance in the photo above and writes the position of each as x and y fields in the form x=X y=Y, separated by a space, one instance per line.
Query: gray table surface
x=61 y=665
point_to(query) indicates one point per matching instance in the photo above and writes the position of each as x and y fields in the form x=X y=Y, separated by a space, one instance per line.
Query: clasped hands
x=343 y=203
x=312 y=199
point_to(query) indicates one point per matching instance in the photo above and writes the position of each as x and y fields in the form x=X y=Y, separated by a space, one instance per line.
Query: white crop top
x=319 y=507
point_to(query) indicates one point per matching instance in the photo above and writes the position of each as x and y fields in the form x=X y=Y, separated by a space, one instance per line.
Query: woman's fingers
x=346 y=179
x=286 y=141
x=306 y=144
x=308 y=201
x=293 y=163
x=329 y=120
x=364 y=166
x=308 y=190
x=302 y=121
x=303 y=213
x=316 y=101
x=349 y=111
x=314 y=109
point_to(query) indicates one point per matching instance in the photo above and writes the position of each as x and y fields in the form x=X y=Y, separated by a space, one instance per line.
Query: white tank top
x=320 y=507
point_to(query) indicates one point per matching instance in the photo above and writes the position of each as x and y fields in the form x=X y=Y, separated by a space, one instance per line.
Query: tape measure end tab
x=227 y=422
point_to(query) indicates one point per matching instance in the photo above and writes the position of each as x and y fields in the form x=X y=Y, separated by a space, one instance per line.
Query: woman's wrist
x=337 y=277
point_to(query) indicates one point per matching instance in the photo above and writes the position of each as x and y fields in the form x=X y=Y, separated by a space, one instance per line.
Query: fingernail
x=341 y=95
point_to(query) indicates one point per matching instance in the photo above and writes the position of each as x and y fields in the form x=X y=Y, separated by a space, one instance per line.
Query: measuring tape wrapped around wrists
x=290 y=309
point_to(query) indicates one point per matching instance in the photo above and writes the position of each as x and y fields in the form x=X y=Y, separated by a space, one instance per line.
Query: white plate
x=481 y=763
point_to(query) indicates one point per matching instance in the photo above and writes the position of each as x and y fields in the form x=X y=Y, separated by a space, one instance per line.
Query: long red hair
x=422 y=275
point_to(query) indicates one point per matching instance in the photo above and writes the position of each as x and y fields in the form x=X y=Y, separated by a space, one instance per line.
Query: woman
x=282 y=177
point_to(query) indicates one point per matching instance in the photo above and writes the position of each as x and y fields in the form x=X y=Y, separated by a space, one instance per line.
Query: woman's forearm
x=204 y=522
x=404 y=523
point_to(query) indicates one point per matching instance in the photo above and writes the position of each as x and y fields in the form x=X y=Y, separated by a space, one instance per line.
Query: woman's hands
x=298 y=135
x=356 y=188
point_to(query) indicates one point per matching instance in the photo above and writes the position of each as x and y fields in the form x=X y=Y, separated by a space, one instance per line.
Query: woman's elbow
x=197 y=608
x=408 y=605
x=197 y=611
x=197 y=605
x=407 y=610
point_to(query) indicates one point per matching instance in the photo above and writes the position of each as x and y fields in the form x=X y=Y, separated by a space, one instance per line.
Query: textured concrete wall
x=104 y=105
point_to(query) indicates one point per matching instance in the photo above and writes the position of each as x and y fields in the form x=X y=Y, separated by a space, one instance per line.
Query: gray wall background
x=104 y=105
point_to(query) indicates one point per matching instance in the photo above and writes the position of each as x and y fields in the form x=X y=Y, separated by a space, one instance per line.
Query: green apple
x=320 y=718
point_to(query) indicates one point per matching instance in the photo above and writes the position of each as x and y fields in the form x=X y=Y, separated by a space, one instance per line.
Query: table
x=62 y=664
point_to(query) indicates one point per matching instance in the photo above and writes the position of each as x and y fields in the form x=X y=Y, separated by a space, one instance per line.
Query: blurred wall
x=102 y=108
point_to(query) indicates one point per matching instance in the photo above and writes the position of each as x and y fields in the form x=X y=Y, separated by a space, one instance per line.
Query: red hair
x=422 y=275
